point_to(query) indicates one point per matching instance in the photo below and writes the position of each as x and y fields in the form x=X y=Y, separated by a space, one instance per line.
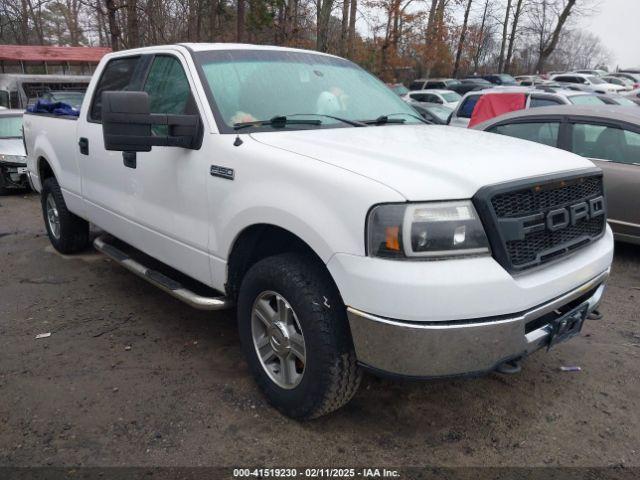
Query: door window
x=466 y=109
x=606 y=143
x=539 y=132
x=168 y=89
x=117 y=75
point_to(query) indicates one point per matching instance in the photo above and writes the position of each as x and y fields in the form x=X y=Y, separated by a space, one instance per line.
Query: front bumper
x=436 y=349
x=15 y=175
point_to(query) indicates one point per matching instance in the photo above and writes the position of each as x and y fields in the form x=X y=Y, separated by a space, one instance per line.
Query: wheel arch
x=258 y=241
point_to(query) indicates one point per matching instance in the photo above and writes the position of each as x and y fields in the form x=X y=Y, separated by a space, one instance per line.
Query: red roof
x=39 y=53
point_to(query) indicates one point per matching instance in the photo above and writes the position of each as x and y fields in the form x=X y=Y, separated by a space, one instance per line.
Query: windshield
x=625 y=102
x=441 y=112
x=595 y=80
x=250 y=85
x=451 y=97
x=507 y=78
x=586 y=100
x=400 y=89
x=11 y=127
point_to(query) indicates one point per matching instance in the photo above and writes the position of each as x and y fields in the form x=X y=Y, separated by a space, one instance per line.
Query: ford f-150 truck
x=348 y=233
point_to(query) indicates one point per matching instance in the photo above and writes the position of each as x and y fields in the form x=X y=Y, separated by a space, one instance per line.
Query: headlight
x=425 y=230
x=13 y=158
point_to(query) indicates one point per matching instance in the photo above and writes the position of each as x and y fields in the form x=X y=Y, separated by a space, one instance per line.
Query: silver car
x=13 y=163
x=608 y=135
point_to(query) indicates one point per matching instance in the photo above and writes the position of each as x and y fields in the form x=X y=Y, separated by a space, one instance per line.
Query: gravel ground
x=130 y=376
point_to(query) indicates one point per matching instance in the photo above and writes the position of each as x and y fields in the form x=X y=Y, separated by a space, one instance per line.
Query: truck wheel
x=295 y=336
x=67 y=232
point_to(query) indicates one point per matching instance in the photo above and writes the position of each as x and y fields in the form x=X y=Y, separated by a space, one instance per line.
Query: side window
x=466 y=109
x=117 y=75
x=539 y=132
x=434 y=99
x=168 y=89
x=542 y=102
x=606 y=143
x=416 y=85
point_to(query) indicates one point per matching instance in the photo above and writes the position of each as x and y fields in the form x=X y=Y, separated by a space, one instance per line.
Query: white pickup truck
x=349 y=234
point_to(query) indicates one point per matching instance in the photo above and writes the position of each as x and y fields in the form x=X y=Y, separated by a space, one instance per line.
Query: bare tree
x=517 y=13
x=548 y=18
x=505 y=29
x=463 y=32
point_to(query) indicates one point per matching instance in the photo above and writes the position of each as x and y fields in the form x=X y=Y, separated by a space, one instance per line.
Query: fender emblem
x=223 y=172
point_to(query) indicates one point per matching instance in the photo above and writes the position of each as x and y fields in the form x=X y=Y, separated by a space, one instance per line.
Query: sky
x=617 y=24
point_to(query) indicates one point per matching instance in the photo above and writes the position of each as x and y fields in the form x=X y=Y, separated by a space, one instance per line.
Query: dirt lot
x=130 y=376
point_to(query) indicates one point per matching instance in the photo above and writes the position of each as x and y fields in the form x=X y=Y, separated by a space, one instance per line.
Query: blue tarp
x=55 y=108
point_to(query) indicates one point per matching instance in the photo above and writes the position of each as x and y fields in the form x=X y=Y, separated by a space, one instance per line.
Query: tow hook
x=510 y=367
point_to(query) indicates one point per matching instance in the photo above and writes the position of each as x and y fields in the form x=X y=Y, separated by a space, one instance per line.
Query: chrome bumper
x=437 y=349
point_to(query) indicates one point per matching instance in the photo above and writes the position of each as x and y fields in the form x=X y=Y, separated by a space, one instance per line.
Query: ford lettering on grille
x=532 y=223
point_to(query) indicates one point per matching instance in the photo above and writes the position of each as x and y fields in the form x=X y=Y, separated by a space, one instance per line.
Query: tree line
x=396 y=39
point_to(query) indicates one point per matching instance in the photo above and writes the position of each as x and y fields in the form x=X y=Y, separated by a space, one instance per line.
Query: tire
x=330 y=375
x=72 y=232
x=3 y=189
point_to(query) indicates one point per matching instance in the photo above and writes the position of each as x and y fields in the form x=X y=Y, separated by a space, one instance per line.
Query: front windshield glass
x=586 y=100
x=595 y=80
x=442 y=113
x=451 y=97
x=625 y=102
x=11 y=127
x=507 y=78
x=251 y=85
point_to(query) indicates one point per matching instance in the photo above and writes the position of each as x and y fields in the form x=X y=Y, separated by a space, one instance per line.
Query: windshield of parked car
x=595 y=80
x=451 y=97
x=441 y=112
x=586 y=100
x=250 y=85
x=11 y=126
x=625 y=102
x=71 y=98
x=506 y=78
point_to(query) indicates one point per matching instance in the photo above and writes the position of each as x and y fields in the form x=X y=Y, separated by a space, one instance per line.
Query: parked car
x=529 y=80
x=17 y=90
x=615 y=99
x=634 y=78
x=434 y=112
x=13 y=161
x=343 y=228
x=503 y=79
x=470 y=84
x=398 y=88
x=596 y=72
x=609 y=136
x=623 y=82
x=434 y=83
x=593 y=82
x=536 y=97
x=448 y=98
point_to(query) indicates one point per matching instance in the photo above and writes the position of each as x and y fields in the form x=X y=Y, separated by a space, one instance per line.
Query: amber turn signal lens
x=392 y=239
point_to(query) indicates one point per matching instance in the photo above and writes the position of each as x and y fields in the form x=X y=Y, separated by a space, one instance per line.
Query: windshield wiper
x=384 y=119
x=279 y=121
x=353 y=123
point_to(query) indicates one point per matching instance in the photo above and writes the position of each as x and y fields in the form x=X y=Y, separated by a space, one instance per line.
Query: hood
x=12 y=146
x=426 y=162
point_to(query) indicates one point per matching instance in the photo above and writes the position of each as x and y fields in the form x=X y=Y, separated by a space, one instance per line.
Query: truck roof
x=203 y=47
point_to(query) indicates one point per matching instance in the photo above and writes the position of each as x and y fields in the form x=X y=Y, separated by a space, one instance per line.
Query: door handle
x=83 y=143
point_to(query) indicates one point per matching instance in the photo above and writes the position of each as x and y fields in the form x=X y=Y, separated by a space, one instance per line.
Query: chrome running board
x=160 y=280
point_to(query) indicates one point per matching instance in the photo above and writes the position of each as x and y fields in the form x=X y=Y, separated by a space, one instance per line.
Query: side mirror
x=126 y=124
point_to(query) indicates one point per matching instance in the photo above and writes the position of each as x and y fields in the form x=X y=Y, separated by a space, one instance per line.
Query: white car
x=448 y=98
x=541 y=96
x=594 y=83
x=621 y=81
x=348 y=234
x=13 y=160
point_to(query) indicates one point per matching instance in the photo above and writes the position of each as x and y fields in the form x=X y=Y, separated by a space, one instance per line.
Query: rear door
x=616 y=149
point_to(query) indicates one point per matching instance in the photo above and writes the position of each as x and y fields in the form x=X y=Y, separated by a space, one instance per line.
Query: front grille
x=518 y=223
